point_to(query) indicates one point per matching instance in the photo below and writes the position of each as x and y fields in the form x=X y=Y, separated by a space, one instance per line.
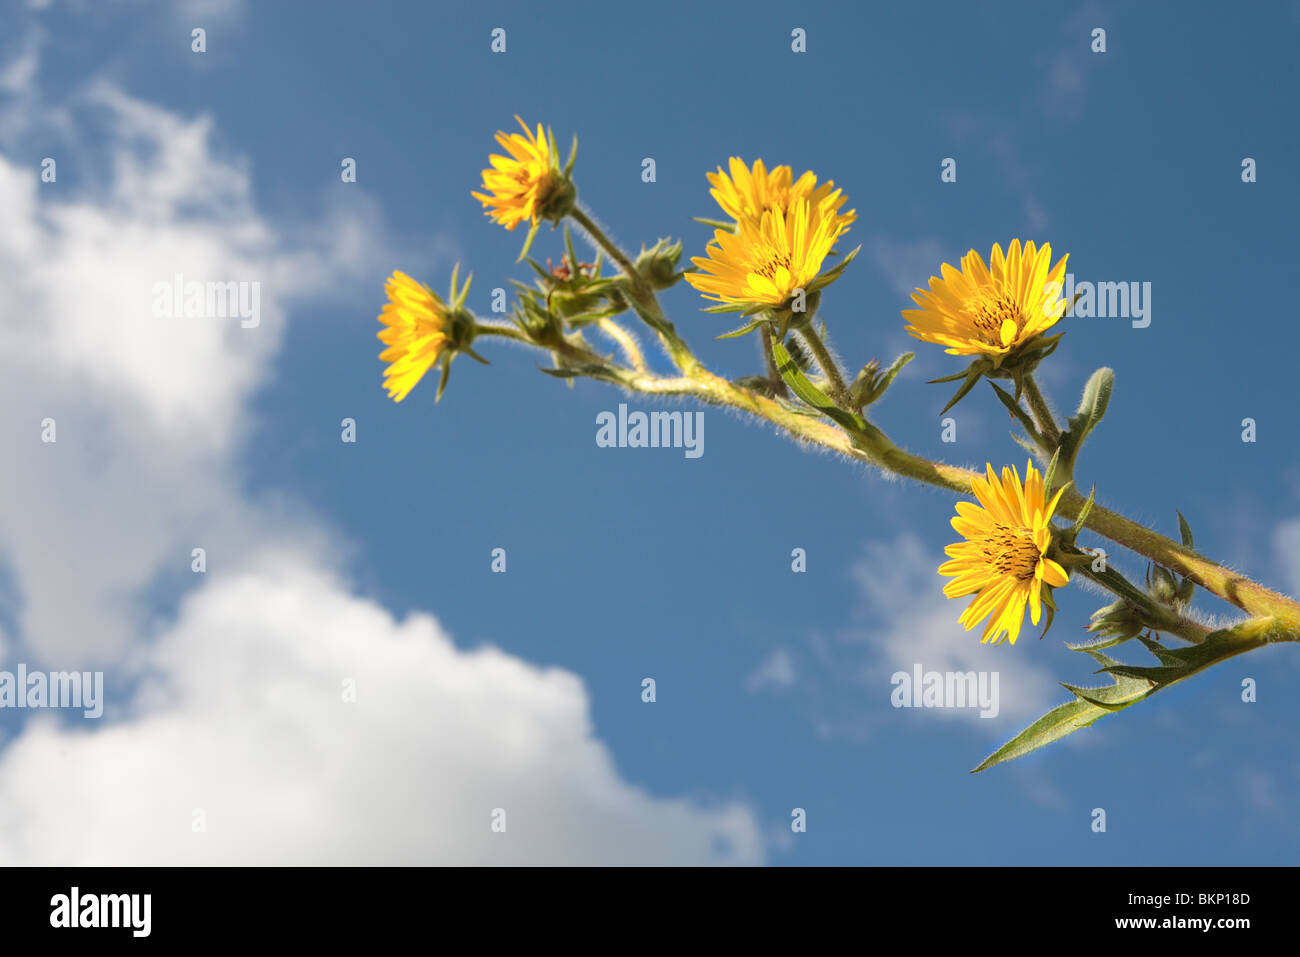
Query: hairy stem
x=628 y=342
x=1042 y=414
x=769 y=360
x=826 y=362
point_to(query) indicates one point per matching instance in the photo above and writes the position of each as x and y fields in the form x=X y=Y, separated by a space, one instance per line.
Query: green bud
x=658 y=264
x=1161 y=584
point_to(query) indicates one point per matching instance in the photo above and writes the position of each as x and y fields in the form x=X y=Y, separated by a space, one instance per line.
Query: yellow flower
x=762 y=263
x=748 y=194
x=416 y=331
x=1003 y=557
x=991 y=310
x=518 y=186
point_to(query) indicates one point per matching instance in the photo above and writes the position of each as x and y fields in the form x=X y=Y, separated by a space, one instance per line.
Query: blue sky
x=630 y=563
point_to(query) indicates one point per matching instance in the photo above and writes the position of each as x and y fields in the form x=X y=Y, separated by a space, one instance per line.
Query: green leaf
x=894 y=369
x=1088 y=705
x=1096 y=397
x=1049 y=474
x=1113 y=697
x=1184 y=530
x=1056 y=724
x=575 y=371
x=1218 y=646
x=806 y=390
x=797 y=408
x=1133 y=684
x=1099 y=644
x=1166 y=656
x=1084 y=511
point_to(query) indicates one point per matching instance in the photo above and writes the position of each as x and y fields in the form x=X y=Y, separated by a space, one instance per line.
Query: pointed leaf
x=961 y=393
x=806 y=390
x=1020 y=414
x=1060 y=721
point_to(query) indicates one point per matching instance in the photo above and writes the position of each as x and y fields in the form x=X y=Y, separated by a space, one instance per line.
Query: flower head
x=763 y=262
x=526 y=185
x=419 y=330
x=991 y=311
x=1004 y=555
x=747 y=194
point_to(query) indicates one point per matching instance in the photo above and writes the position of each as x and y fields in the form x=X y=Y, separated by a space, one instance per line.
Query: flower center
x=1011 y=551
x=768 y=260
x=989 y=312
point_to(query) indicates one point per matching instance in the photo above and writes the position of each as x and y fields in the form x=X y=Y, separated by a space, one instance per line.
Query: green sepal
x=747 y=308
x=442 y=380
x=573 y=157
x=966 y=386
x=715 y=223
x=743 y=330
x=528 y=241
x=1020 y=415
x=828 y=277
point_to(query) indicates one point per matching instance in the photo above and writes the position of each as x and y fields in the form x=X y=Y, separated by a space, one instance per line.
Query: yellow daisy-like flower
x=748 y=194
x=991 y=310
x=519 y=185
x=763 y=262
x=1004 y=557
x=416 y=331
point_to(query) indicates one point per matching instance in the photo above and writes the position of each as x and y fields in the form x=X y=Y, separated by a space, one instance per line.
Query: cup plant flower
x=775 y=252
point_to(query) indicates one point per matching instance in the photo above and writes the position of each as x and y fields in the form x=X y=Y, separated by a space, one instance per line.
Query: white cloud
x=240 y=710
x=243 y=716
x=775 y=671
x=150 y=412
